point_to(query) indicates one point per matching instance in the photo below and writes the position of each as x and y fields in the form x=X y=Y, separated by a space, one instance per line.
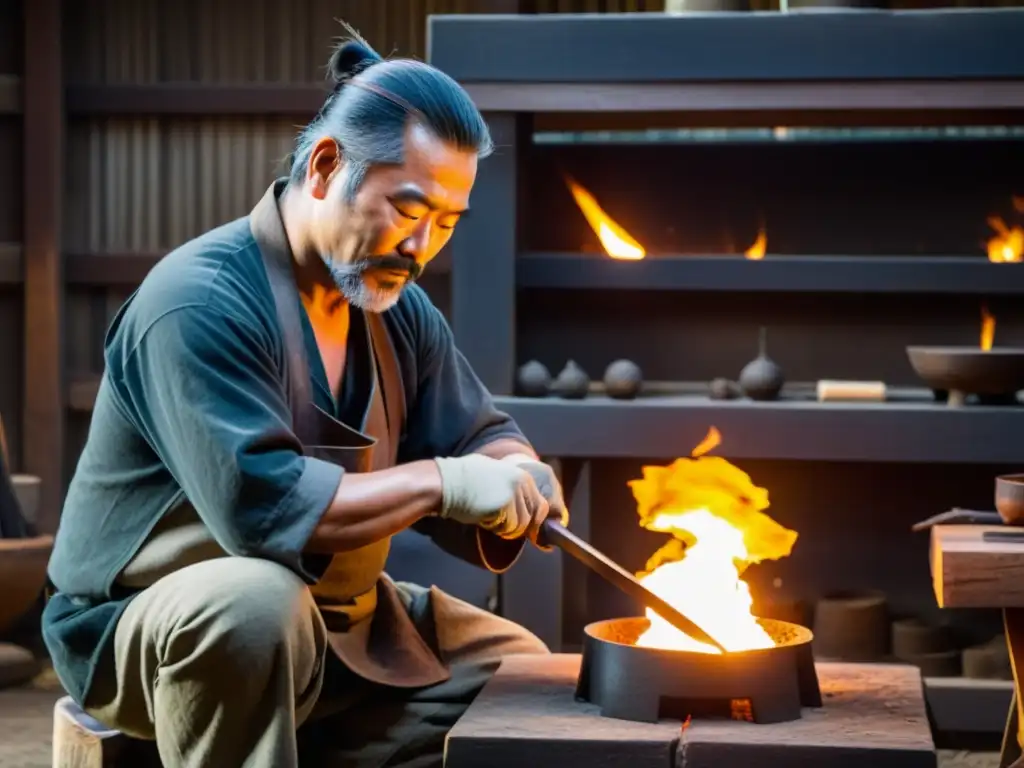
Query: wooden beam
x=43 y=427
x=485 y=246
x=757 y=98
x=10 y=95
x=969 y=572
x=196 y=99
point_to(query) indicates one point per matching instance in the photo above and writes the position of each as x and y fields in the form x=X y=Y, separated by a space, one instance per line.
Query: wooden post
x=484 y=260
x=43 y=97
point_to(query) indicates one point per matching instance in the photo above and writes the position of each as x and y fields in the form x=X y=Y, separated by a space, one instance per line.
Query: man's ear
x=324 y=164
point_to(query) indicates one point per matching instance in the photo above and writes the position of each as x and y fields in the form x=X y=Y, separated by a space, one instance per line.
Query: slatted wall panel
x=143 y=186
x=11 y=174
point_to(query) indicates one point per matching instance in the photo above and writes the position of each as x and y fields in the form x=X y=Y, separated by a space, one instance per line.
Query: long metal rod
x=555 y=534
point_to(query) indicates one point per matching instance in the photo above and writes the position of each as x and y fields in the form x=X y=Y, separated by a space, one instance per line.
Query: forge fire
x=715 y=515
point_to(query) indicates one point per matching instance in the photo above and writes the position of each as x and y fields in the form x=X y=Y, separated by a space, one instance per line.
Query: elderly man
x=279 y=400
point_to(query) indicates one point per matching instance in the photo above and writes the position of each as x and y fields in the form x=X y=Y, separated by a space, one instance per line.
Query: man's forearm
x=370 y=506
x=506 y=446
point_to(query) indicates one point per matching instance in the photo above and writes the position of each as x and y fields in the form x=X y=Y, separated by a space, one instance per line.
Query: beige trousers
x=225 y=663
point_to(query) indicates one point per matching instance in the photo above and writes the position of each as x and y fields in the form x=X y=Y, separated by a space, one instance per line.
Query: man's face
x=400 y=218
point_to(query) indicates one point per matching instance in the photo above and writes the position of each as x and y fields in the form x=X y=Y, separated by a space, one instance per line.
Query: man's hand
x=548 y=485
x=496 y=495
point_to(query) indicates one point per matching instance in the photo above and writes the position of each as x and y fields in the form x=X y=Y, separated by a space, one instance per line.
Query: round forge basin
x=964 y=371
x=22 y=576
x=629 y=682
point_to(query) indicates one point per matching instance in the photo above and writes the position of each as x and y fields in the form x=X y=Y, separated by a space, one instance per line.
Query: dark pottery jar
x=623 y=379
x=572 y=383
x=533 y=379
x=762 y=378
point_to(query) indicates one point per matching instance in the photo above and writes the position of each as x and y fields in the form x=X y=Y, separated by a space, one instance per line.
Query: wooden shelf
x=827 y=48
x=940 y=65
x=800 y=274
x=667 y=427
x=196 y=99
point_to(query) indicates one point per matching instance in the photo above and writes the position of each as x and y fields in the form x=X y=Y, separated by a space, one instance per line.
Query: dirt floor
x=26 y=723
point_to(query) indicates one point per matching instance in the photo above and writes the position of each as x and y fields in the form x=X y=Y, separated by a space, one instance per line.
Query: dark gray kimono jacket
x=192 y=415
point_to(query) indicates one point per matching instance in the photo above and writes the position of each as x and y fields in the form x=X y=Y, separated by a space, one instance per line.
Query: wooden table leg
x=1013 y=737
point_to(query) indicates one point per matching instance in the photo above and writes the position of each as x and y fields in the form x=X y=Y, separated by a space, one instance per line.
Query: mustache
x=393 y=261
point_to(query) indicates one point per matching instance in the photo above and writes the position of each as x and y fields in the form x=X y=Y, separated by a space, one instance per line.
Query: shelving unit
x=934 y=68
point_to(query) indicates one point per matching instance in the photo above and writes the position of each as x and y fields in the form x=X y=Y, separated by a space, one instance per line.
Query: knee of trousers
x=236 y=614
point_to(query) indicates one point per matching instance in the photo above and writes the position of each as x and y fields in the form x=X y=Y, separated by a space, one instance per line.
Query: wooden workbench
x=969 y=572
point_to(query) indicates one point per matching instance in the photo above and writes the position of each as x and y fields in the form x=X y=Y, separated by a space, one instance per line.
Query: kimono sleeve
x=204 y=389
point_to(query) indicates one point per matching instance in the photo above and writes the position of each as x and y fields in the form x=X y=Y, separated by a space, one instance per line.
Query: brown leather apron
x=368 y=626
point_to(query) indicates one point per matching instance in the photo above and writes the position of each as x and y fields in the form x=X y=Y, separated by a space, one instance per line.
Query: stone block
x=873 y=714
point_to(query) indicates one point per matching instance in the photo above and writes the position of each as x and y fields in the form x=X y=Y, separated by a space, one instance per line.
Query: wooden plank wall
x=141 y=186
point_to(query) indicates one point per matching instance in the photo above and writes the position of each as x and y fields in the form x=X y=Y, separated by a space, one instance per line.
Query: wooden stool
x=81 y=741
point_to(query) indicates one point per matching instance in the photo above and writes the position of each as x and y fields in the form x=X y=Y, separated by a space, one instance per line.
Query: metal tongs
x=555 y=534
x=957 y=516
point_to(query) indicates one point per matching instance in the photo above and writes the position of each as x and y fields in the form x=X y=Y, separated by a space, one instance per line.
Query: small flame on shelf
x=616 y=241
x=988 y=329
x=759 y=247
x=1007 y=245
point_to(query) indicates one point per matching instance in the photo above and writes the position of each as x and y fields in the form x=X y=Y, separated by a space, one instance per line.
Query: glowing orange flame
x=1007 y=245
x=988 y=329
x=711 y=440
x=715 y=515
x=759 y=247
x=616 y=241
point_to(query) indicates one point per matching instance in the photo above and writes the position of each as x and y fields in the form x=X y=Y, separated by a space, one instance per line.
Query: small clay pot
x=1010 y=498
x=623 y=379
x=988 y=661
x=22 y=576
x=852 y=626
x=938 y=664
x=912 y=638
x=572 y=383
x=761 y=378
x=723 y=389
x=533 y=380
x=17 y=665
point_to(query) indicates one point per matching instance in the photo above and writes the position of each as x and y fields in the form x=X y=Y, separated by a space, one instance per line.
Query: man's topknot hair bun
x=372 y=104
x=351 y=57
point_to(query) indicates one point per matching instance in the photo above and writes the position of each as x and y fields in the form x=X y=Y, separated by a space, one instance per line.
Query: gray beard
x=350 y=281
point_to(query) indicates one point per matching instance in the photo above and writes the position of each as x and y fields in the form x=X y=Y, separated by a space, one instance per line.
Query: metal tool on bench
x=1009 y=503
x=555 y=534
